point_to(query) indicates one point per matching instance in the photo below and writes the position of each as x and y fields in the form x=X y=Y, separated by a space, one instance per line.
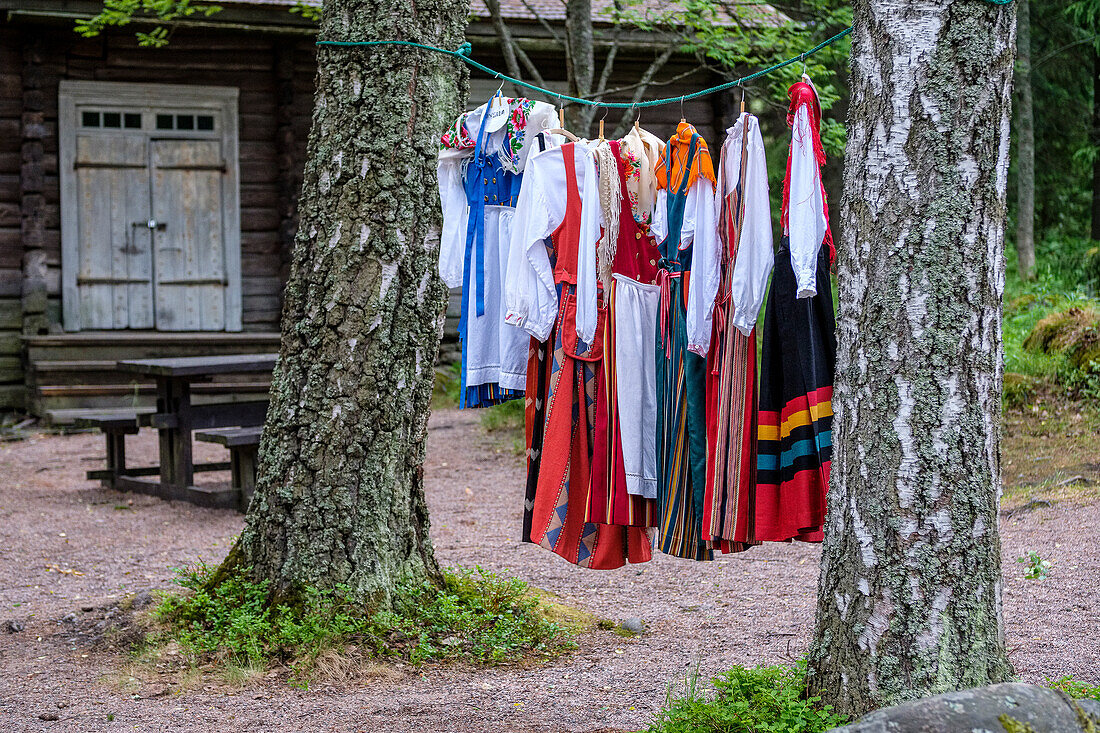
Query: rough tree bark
x=1095 y=229
x=340 y=496
x=1025 y=146
x=909 y=600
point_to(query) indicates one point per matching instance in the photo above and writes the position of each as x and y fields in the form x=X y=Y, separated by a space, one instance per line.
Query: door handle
x=153 y=224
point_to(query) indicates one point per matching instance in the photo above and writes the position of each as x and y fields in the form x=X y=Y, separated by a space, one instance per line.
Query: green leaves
x=123 y=12
x=757 y=700
x=476 y=617
x=753 y=38
x=1037 y=568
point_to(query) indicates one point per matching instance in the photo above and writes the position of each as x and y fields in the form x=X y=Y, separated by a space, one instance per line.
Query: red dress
x=636 y=257
x=561 y=421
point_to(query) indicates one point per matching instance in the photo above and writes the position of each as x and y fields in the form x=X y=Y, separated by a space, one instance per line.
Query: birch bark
x=340 y=497
x=909 y=600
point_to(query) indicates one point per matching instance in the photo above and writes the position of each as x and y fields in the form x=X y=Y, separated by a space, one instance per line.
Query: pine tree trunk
x=1025 y=146
x=909 y=600
x=340 y=496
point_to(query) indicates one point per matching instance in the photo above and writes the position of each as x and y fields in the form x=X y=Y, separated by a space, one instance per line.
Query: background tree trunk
x=1096 y=144
x=340 y=496
x=1025 y=146
x=909 y=601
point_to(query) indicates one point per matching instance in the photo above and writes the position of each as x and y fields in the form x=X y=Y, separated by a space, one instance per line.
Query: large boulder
x=1007 y=708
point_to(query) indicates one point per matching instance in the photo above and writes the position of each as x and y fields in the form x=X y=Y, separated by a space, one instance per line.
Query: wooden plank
x=231 y=437
x=190 y=253
x=260 y=243
x=252 y=194
x=11 y=342
x=187 y=366
x=260 y=266
x=270 y=303
x=218 y=415
x=11 y=313
x=13 y=396
x=114 y=277
x=253 y=219
x=261 y=286
x=10 y=190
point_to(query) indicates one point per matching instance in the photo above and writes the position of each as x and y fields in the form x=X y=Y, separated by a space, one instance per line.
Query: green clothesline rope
x=464 y=51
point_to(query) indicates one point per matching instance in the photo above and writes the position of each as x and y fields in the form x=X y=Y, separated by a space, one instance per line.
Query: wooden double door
x=150 y=213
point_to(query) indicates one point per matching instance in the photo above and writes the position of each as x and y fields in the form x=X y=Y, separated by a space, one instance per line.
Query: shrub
x=475 y=617
x=1076 y=688
x=757 y=700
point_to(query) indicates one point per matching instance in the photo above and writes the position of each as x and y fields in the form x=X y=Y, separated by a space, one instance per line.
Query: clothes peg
x=561 y=116
x=682 y=118
x=742 y=100
x=637 y=119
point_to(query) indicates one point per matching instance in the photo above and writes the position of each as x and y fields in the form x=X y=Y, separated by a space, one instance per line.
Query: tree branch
x=547 y=26
x=510 y=49
x=643 y=84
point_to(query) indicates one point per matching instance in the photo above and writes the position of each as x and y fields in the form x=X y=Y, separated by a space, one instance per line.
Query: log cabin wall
x=274 y=73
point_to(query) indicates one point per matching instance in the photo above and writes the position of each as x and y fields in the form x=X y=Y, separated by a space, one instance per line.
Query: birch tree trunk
x=1025 y=146
x=340 y=496
x=909 y=600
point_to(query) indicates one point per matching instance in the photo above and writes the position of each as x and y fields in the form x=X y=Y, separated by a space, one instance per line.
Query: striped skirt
x=729 y=502
x=796 y=416
x=681 y=433
x=561 y=431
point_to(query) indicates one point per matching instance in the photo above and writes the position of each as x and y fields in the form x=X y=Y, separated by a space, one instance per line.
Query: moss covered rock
x=1065 y=332
x=1011 y=707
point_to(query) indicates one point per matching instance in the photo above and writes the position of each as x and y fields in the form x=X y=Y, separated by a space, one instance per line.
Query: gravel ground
x=67 y=545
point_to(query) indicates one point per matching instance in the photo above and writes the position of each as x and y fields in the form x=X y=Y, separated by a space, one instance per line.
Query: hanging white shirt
x=493 y=352
x=755 y=256
x=806 y=222
x=530 y=292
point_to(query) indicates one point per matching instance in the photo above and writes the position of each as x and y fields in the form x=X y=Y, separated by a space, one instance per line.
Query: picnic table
x=175 y=417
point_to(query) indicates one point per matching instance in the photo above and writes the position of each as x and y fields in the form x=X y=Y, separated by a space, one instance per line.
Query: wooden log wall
x=11 y=222
x=275 y=101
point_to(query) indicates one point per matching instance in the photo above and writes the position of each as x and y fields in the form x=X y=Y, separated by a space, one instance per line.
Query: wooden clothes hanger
x=560 y=129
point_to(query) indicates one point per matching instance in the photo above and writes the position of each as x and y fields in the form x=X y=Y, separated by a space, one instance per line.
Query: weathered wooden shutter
x=114 y=279
x=189 y=252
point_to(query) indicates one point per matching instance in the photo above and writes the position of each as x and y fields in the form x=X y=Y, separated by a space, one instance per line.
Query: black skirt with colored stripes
x=796 y=417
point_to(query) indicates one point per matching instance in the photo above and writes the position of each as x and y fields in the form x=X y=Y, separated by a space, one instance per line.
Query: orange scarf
x=700 y=166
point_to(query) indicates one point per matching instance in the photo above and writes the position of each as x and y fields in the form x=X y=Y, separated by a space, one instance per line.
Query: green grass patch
x=476 y=617
x=1076 y=688
x=757 y=700
x=448 y=384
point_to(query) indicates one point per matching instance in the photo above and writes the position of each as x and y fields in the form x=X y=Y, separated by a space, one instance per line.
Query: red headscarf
x=803 y=94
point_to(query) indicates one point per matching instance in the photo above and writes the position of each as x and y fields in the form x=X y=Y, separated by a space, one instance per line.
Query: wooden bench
x=244 y=445
x=116 y=426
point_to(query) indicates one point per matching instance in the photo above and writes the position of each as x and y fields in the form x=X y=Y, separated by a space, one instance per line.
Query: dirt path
x=66 y=544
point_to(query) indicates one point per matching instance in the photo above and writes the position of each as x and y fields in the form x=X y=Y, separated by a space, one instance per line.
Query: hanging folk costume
x=799 y=348
x=624 y=471
x=553 y=294
x=481 y=162
x=684 y=220
x=737 y=276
